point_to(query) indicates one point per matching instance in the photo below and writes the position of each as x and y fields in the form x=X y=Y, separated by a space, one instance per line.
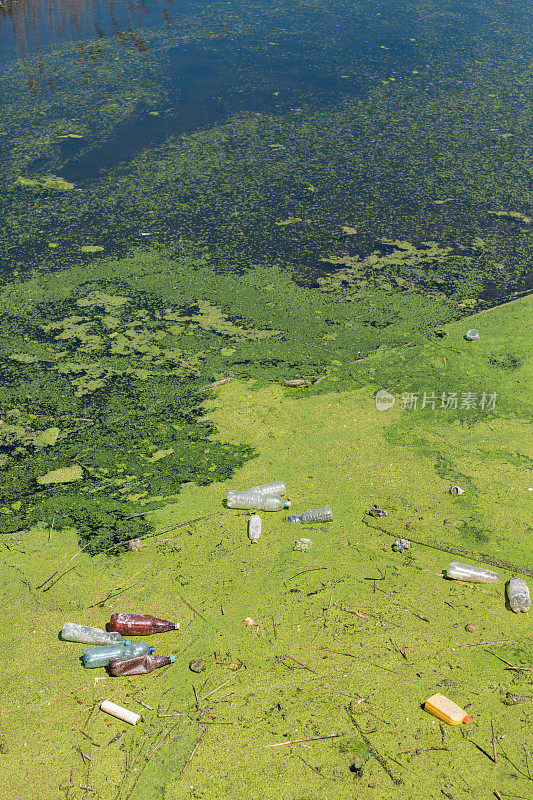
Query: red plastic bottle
x=139 y=624
x=141 y=665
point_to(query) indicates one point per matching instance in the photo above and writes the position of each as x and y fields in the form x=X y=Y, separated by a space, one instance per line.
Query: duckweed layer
x=322 y=636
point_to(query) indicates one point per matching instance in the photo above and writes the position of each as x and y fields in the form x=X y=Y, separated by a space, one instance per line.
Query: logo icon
x=384 y=400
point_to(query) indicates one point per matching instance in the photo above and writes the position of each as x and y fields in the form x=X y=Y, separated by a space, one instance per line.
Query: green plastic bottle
x=100 y=656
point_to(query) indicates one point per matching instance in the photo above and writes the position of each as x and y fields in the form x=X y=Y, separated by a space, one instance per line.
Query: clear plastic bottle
x=101 y=656
x=472 y=335
x=317 y=515
x=518 y=594
x=139 y=624
x=84 y=633
x=141 y=665
x=464 y=572
x=278 y=487
x=254 y=528
x=261 y=502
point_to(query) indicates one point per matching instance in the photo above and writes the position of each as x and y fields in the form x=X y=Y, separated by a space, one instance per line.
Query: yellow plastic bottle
x=446 y=710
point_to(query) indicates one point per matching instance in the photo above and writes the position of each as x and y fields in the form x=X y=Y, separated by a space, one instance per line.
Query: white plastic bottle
x=278 y=487
x=254 y=528
x=84 y=633
x=119 y=712
x=317 y=515
x=464 y=572
x=518 y=594
x=261 y=502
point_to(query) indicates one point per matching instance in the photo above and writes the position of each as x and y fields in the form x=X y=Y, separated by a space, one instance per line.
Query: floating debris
x=472 y=335
x=135 y=544
x=456 y=491
x=471 y=628
x=518 y=594
x=464 y=572
x=197 y=665
x=377 y=512
x=303 y=544
x=401 y=545
x=254 y=528
x=302 y=383
x=316 y=515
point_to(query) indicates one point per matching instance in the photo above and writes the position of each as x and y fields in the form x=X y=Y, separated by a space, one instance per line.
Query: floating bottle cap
x=172 y=659
x=126 y=641
x=287 y=504
x=151 y=649
x=467 y=719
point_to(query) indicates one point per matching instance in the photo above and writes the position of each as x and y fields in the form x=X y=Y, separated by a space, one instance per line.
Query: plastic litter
x=71 y=632
x=140 y=624
x=141 y=665
x=197 y=665
x=135 y=544
x=472 y=335
x=317 y=515
x=401 y=545
x=456 y=490
x=254 y=528
x=119 y=712
x=278 y=487
x=303 y=544
x=255 y=500
x=101 y=656
x=464 y=572
x=377 y=512
x=518 y=594
x=446 y=710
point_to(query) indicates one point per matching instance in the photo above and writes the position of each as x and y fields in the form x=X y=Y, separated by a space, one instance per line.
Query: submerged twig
x=378 y=756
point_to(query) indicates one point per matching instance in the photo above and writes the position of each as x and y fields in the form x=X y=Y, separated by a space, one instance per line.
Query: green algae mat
x=298 y=643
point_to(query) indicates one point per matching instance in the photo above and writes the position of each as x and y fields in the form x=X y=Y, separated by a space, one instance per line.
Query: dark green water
x=367 y=167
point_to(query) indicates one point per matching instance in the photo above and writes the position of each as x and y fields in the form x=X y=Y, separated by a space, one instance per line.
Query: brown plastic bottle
x=139 y=624
x=141 y=665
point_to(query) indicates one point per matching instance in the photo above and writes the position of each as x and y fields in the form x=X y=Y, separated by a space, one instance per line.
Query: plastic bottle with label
x=261 y=502
x=139 y=624
x=84 y=633
x=317 y=515
x=101 y=656
x=141 y=665
x=518 y=594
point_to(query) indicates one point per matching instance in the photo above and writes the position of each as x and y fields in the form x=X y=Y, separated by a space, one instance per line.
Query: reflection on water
x=29 y=26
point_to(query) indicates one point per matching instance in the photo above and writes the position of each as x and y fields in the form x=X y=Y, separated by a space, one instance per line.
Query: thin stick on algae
x=511 y=666
x=196 y=746
x=193 y=609
x=161 y=742
x=63 y=573
x=378 y=756
x=460 y=551
x=315 y=769
x=218 y=687
x=116 y=588
x=308 y=739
